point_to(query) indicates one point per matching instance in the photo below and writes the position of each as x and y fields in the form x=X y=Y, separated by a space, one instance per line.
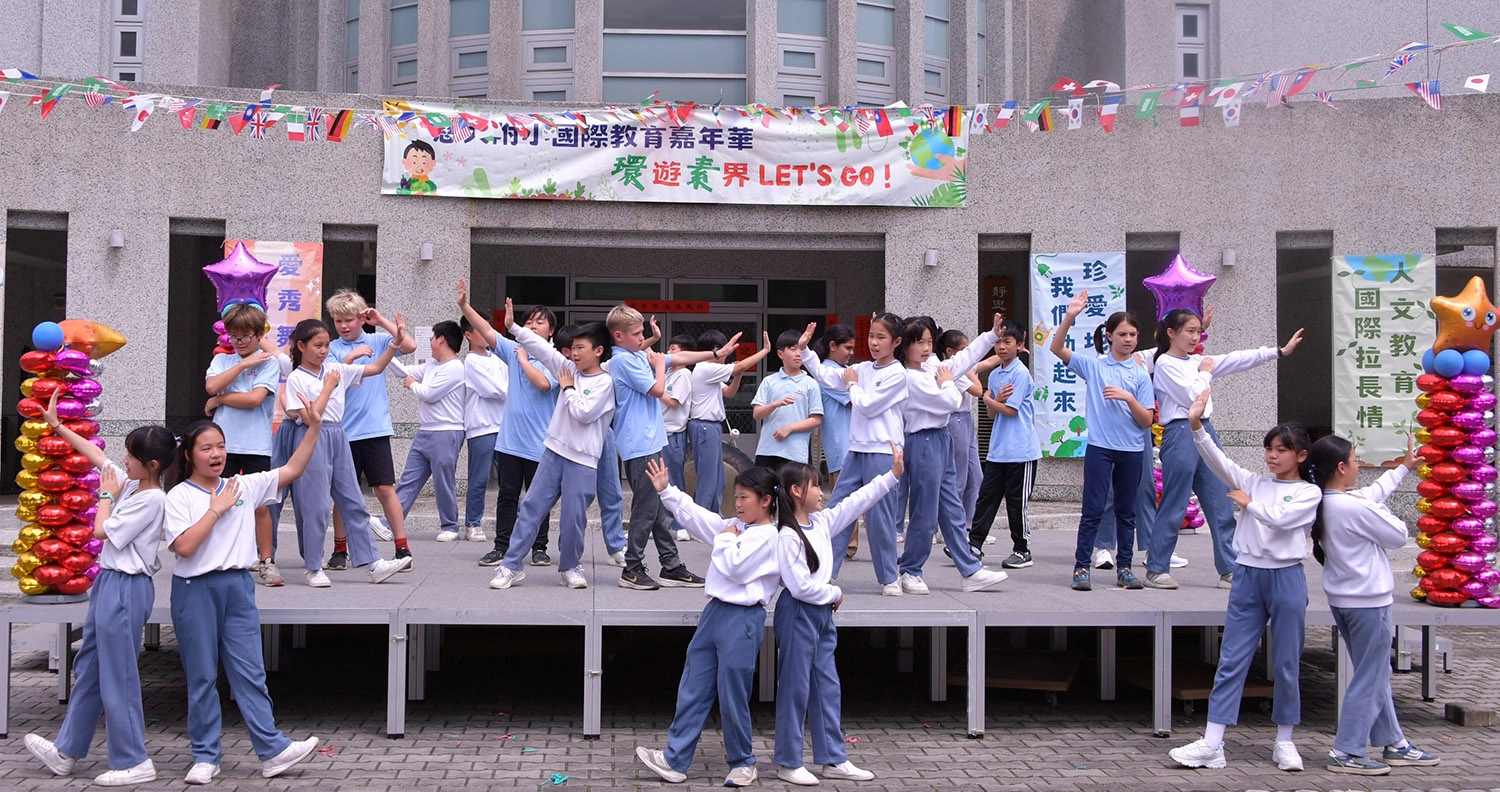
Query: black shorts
x=236 y=464
x=372 y=458
x=773 y=463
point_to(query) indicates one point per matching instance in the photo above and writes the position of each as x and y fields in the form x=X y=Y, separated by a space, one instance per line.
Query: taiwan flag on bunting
x=1302 y=80
x=1107 y=111
x=1187 y=107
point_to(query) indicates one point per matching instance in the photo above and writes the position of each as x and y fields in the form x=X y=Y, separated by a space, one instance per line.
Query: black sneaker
x=540 y=558
x=638 y=580
x=680 y=577
x=1017 y=560
x=978 y=554
x=402 y=552
x=492 y=558
x=338 y=561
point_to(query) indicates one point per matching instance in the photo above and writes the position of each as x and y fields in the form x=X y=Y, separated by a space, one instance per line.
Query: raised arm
x=722 y=353
x=978 y=349
x=375 y=368
x=1233 y=476
x=397 y=330
x=475 y=318
x=1059 y=345
x=703 y=524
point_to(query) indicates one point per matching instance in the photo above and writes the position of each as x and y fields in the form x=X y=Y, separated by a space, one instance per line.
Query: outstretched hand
x=1411 y=461
x=1076 y=305
x=510 y=314
x=1197 y=408
x=898 y=460
x=1291 y=344
x=657 y=472
x=463 y=293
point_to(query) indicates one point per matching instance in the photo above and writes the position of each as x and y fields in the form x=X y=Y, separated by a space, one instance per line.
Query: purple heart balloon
x=1484 y=438
x=1484 y=544
x=1482 y=401
x=97 y=441
x=87 y=390
x=1489 y=576
x=1489 y=601
x=93 y=546
x=87 y=515
x=1469 y=561
x=1484 y=474
x=88 y=480
x=1468 y=420
x=1468 y=490
x=1483 y=508
x=1474 y=589
x=1466 y=384
x=92 y=572
x=72 y=360
x=1468 y=455
x=1179 y=286
x=1468 y=526
x=241 y=278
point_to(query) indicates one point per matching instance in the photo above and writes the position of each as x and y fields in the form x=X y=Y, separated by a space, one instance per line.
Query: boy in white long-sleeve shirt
x=575 y=438
x=441 y=400
x=488 y=379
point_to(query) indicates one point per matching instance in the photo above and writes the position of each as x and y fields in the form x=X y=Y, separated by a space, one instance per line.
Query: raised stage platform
x=447 y=587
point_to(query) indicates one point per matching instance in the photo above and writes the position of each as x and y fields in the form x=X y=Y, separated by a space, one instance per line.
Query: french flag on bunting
x=1107 y=111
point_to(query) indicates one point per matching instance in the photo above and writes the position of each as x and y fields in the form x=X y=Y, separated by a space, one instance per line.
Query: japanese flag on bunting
x=1226 y=91
x=1479 y=82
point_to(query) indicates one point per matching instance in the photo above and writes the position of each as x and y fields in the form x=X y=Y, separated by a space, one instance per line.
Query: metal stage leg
x=1161 y=693
x=1403 y=659
x=395 y=693
x=768 y=666
x=5 y=646
x=270 y=646
x=153 y=637
x=299 y=636
x=593 y=675
x=1059 y=639
x=1106 y=663
x=940 y=664
x=416 y=658
x=64 y=661
x=905 y=640
x=976 y=677
x=1210 y=644
x=1429 y=663
x=1343 y=669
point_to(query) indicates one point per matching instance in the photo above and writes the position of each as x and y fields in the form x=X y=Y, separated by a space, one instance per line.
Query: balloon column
x=56 y=548
x=1457 y=490
x=241 y=278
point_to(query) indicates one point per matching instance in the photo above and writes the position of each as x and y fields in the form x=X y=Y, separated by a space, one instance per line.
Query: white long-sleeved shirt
x=817 y=588
x=877 y=397
x=582 y=415
x=135 y=528
x=1273 y=530
x=928 y=404
x=742 y=568
x=1178 y=381
x=441 y=395
x=829 y=375
x=488 y=380
x=1357 y=530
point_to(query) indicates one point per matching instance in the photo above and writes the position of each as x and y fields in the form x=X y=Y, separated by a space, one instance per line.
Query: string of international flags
x=312 y=124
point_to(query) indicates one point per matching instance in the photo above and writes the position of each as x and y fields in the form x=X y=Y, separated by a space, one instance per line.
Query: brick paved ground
x=504 y=712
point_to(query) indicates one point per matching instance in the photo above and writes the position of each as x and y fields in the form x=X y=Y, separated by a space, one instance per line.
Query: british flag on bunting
x=315 y=124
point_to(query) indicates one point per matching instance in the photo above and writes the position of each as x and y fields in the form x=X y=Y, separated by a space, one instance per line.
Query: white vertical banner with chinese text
x=1061 y=426
x=1382 y=324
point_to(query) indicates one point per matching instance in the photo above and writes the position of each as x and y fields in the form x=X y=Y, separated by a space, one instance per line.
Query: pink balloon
x=1468 y=526
x=1179 y=286
x=92 y=572
x=1196 y=522
x=1482 y=401
x=241 y=278
x=72 y=360
x=1483 y=508
x=1468 y=420
x=1468 y=455
x=1466 y=384
x=1488 y=601
x=88 y=480
x=1484 y=438
x=1469 y=561
x=93 y=546
x=97 y=441
x=87 y=515
x=224 y=339
x=1488 y=576
x=219 y=326
x=71 y=409
x=1484 y=474
x=1474 y=589
x=1468 y=490
x=1484 y=544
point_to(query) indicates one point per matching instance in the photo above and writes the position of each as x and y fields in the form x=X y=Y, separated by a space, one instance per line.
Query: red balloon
x=1427 y=584
x=1446 y=578
x=1430 y=418
x=29 y=408
x=1430 y=560
x=77 y=562
x=42 y=389
x=78 y=534
x=1431 y=490
x=51 y=549
x=83 y=428
x=1449 y=473
x=1447 y=597
x=53 y=515
x=1446 y=401
x=1431 y=383
x=1446 y=436
x=53 y=446
x=50 y=574
x=62 y=481
x=36 y=361
x=1430 y=525
x=1431 y=454
x=1448 y=544
x=75 y=463
x=1444 y=508
x=76 y=500
x=74 y=585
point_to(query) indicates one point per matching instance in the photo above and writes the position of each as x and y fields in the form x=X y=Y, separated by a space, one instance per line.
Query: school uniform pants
x=807 y=682
x=1369 y=713
x=330 y=474
x=557 y=478
x=611 y=499
x=1010 y=482
x=707 y=441
x=433 y=455
x=1184 y=473
x=860 y=468
x=966 y=470
x=283 y=445
x=215 y=619
x=1121 y=469
x=108 y=679
x=513 y=473
x=481 y=464
x=674 y=455
x=934 y=504
x=1145 y=510
x=720 y=664
x=649 y=519
x=1259 y=598
x=835 y=435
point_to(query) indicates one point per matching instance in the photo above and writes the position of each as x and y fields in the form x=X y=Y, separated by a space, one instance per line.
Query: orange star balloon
x=91 y=338
x=1467 y=321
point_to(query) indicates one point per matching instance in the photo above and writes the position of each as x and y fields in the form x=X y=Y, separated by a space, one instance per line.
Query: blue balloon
x=1449 y=363
x=1428 y=362
x=47 y=336
x=1476 y=362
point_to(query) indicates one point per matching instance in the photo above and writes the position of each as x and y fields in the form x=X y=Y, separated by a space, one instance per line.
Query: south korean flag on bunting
x=1075 y=113
x=1232 y=113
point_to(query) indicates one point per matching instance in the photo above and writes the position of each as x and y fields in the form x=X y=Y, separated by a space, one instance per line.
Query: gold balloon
x=35 y=428
x=26 y=386
x=33 y=533
x=25 y=479
x=1418 y=594
x=1424 y=541
x=34 y=499
x=1424 y=471
x=24 y=514
x=17 y=572
x=91 y=338
x=29 y=585
x=1423 y=401
x=25 y=444
x=1424 y=436
x=1423 y=505
x=1419 y=570
x=29 y=561
x=20 y=546
x=35 y=462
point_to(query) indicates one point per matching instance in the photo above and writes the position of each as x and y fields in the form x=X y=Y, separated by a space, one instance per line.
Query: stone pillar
x=843 y=60
x=433 y=58
x=375 y=47
x=910 y=49
x=506 y=52
x=588 y=52
x=760 y=52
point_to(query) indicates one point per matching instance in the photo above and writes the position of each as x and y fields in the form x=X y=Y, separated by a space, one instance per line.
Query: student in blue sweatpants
x=442 y=398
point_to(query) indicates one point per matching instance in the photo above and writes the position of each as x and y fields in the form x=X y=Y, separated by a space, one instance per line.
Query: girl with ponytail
x=805 y=633
x=1351 y=534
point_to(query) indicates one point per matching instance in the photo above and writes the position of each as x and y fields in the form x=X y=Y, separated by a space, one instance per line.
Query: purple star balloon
x=241 y=278
x=1179 y=286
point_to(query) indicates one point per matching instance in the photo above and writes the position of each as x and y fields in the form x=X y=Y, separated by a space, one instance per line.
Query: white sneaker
x=796 y=775
x=140 y=774
x=1159 y=580
x=316 y=579
x=289 y=756
x=982 y=580
x=1103 y=559
x=741 y=776
x=505 y=577
x=1284 y=752
x=201 y=773
x=847 y=772
x=892 y=589
x=573 y=578
x=447 y=536
x=901 y=538
x=475 y=533
x=684 y=536
x=657 y=762
x=43 y=749
x=617 y=558
x=383 y=570
x=1177 y=562
x=381 y=529
x=268 y=575
x=911 y=584
x=1198 y=753
x=989 y=540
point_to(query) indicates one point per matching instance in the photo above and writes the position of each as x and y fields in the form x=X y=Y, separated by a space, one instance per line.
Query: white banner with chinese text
x=1061 y=426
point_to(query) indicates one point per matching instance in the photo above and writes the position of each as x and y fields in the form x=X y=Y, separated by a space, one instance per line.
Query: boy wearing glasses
x=241 y=388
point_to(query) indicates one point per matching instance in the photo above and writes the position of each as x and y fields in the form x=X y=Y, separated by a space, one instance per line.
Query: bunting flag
x=862 y=122
x=1006 y=111
x=1399 y=61
x=1075 y=113
x=186 y=110
x=143 y=109
x=1259 y=81
x=882 y=122
x=1107 y=111
x=315 y=124
x=1326 y=97
x=1366 y=84
x=1430 y=92
x=11 y=75
x=1036 y=116
x=214 y=115
x=1479 y=82
x=1466 y=33
x=1187 y=107
x=1109 y=87
x=1412 y=46
x=1068 y=85
x=1232 y=113
x=338 y=125
x=296 y=124
x=49 y=99
x=4 y=97
x=1225 y=92
x=953 y=122
x=261 y=124
x=1147 y=108
x=237 y=123
x=981 y=117
x=1302 y=80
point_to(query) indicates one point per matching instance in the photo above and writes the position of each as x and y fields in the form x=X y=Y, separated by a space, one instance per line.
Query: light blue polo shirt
x=1013 y=438
x=1109 y=422
x=527 y=409
x=639 y=430
x=247 y=430
x=367 y=409
x=774 y=388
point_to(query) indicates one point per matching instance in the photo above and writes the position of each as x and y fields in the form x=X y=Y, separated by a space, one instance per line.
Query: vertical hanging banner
x=296 y=292
x=996 y=296
x=680 y=154
x=1382 y=323
x=1061 y=426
